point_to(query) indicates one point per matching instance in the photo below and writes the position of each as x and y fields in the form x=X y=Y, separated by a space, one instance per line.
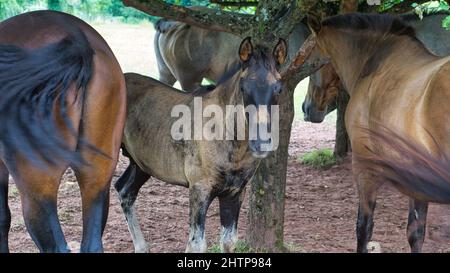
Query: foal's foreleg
x=200 y=197
x=128 y=187
x=230 y=206
x=5 y=214
x=417 y=220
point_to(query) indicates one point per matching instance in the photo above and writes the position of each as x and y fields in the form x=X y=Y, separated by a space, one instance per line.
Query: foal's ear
x=280 y=51
x=314 y=23
x=246 y=49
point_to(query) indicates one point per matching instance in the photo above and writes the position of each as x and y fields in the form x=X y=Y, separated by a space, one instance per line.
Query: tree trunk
x=342 y=145
x=349 y=6
x=266 y=208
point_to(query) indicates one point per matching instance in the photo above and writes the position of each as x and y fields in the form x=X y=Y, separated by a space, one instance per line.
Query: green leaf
x=446 y=23
x=388 y=4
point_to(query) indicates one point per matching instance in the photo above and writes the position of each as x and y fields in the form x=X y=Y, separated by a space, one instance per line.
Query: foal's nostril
x=303 y=108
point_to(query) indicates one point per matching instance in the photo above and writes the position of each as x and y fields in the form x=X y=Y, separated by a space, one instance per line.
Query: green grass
x=241 y=247
x=13 y=191
x=319 y=159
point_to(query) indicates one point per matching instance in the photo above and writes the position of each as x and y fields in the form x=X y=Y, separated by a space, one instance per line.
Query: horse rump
x=412 y=170
x=32 y=83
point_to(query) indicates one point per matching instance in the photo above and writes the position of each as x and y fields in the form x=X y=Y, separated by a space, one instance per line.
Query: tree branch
x=226 y=3
x=238 y=24
x=297 y=64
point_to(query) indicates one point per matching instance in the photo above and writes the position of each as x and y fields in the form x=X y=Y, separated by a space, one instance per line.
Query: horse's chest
x=236 y=180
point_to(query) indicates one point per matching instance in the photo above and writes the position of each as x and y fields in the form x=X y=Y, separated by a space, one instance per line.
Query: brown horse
x=63 y=102
x=188 y=54
x=400 y=84
x=324 y=85
x=210 y=167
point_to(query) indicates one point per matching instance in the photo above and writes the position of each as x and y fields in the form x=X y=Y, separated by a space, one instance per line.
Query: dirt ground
x=320 y=210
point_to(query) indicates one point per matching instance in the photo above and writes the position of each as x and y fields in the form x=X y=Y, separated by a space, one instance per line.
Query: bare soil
x=320 y=211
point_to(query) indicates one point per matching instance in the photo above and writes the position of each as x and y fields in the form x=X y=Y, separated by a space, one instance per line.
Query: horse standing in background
x=62 y=104
x=189 y=54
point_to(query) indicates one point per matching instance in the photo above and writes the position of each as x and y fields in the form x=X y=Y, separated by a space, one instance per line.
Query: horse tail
x=32 y=84
x=414 y=171
x=163 y=25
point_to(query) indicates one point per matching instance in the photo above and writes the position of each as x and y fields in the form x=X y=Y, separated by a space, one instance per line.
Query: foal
x=210 y=169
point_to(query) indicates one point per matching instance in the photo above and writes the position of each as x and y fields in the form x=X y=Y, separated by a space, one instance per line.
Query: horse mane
x=384 y=26
x=259 y=54
x=379 y=23
x=229 y=73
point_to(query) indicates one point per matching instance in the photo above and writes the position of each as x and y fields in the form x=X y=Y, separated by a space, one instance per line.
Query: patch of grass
x=241 y=247
x=319 y=159
x=293 y=248
x=13 y=191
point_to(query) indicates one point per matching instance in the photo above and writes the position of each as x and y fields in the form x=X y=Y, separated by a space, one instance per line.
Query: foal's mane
x=259 y=55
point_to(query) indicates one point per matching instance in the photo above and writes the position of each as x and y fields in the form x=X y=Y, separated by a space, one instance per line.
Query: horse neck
x=228 y=94
x=357 y=55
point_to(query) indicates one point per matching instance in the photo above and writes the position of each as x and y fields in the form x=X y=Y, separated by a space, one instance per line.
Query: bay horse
x=218 y=167
x=325 y=84
x=393 y=79
x=188 y=54
x=63 y=104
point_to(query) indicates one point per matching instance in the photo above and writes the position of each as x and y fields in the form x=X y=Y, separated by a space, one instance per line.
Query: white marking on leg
x=197 y=242
x=228 y=239
x=140 y=245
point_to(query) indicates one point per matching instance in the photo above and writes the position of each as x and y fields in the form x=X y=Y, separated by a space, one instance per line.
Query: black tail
x=32 y=83
x=413 y=170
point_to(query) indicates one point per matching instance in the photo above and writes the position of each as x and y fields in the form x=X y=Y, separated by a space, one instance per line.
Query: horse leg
x=102 y=126
x=38 y=190
x=94 y=180
x=128 y=187
x=230 y=206
x=5 y=214
x=200 y=197
x=417 y=219
x=367 y=200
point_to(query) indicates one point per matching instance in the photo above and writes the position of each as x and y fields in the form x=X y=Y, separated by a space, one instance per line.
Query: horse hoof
x=374 y=247
x=142 y=249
